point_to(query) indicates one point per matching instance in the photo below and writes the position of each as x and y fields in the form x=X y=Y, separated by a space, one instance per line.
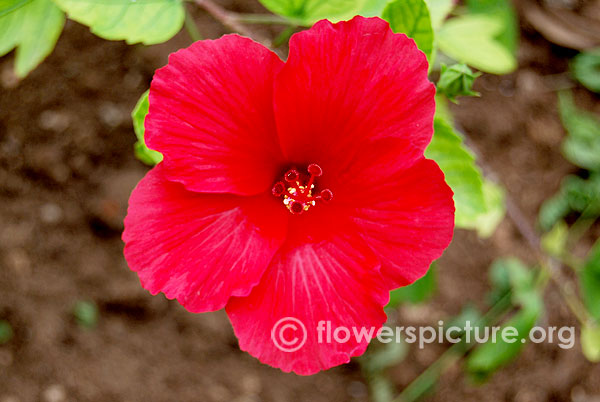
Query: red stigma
x=278 y=189
x=315 y=170
x=297 y=190
x=292 y=175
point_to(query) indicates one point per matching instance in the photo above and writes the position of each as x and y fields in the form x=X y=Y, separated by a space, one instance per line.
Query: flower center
x=297 y=189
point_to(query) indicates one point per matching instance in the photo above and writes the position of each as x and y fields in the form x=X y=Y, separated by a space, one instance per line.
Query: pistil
x=297 y=190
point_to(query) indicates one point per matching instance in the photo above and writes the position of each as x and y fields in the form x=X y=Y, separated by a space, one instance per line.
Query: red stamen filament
x=297 y=193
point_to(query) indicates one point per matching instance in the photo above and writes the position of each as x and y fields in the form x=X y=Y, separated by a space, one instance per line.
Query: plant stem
x=568 y=293
x=284 y=36
x=229 y=19
x=223 y=16
x=191 y=28
x=571 y=261
x=235 y=22
x=580 y=227
x=259 y=19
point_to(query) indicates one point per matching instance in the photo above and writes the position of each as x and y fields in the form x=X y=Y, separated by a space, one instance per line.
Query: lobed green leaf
x=554 y=242
x=32 y=27
x=138 y=115
x=508 y=275
x=553 y=210
x=373 y=8
x=471 y=39
x=589 y=278
x=381 y=387
x=417 y=292
x=576 y=195
x=6 y=332
x=135 y=21
x=411 y=17
x=468 y=313
x=439 y=11
x=491 y=356
x=505 y=12
x=582 y=146
x=586 y=69
x=460 y=170
x=590 y=342
x=385 y=356
x=486 y=223
x=86 y=314
x=307 y=12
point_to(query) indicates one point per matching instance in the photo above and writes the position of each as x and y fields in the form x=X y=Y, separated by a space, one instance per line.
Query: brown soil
x=66 y=170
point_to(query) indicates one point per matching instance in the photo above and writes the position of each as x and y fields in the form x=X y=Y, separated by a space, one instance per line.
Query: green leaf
x=306 y=12
x=439 y=10
x=486 y=223
x=553 y=210
x=417 y=292
x=471 y=39
x=373 y=8
x=583 y=195
x=470 y=314
x=504 y=11
x=500 y=281
x=522 y=282
x=462 y=175
x=379 y=357
x=508 y=275
x=590 y=342
x=6 y=332
x=86 y=314
x=555 y=241
x=586 y=69
x=582 y=146
x=490 y=356
x=138 y=115
x=384 y=356
x=411 y=17
x=145 y=21
x=589 y=278
x=381 y=387
x=575 y=195
x=33 y=27
x=442 y=109
x=479 y=203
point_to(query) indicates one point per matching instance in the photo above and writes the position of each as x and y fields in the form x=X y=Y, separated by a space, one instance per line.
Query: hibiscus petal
x=335 y=281
x=348 y=84
x=407 y=221
x=200 y=249
x=211 y=115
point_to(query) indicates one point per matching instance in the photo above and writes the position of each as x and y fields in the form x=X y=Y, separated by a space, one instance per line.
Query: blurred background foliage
x=461 y=42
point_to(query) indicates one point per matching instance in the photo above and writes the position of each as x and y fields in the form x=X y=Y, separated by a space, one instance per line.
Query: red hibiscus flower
x=294 y=189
